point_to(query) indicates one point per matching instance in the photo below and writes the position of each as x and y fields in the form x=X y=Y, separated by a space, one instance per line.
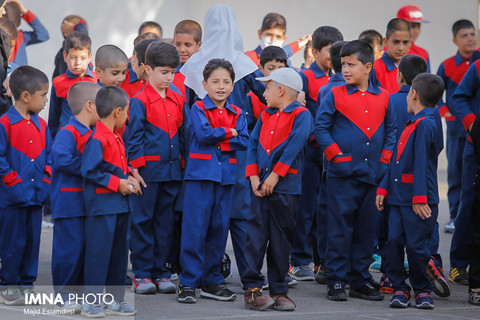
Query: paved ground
x=310 y=297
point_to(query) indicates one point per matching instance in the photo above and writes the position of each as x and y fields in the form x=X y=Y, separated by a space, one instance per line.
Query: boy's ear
x=98 y=71
x=314 y=53
x=260 y=34
x=368 y=67
x=385 y=41
x=64 y=56
x=199 y=44
x=204 y=85
x=117 y=111
x=260 y=67
x=25 y=96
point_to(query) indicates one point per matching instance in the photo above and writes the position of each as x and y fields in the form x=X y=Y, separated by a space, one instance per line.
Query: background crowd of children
x=330 y=170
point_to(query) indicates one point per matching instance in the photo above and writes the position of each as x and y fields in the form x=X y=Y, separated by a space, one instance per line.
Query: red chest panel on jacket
x=314 y=84
x=406 y=133
x=221 y=117
x=276 y=128
x=25 y=137
x=63 y=83
x=81 y=140
x=366 y=110
x=455 y=72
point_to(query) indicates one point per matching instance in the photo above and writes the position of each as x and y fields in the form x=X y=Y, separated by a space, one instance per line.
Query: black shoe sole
x=337 y=298
x=355 y=294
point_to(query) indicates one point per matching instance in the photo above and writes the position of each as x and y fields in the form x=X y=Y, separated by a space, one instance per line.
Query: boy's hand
x=234 y=132
x=270 y=183
x=379 y=202
x=139 y=178
x=22 y=8
x=255 y=182
x=422 y=210
x=125 y=187
x=301 y=98
x=136 y=186
x=302 y=42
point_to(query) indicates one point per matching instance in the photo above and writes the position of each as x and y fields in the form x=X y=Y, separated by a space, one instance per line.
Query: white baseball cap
x=285 y=76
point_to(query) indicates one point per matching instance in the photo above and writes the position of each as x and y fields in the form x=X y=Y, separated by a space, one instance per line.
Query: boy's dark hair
x=108 y=99
x=77 y=40
x=461 y=24
x=140 y=49
x=215 y=64
x=189 y=27
x=150 y=24
x=161 y=54
x=429 y=88
x=335 y=55
x=274 y=20
x=7 y=43
x=325 y=36
x=110 y=56
x=410 y=66
x=80 y=93
x=361 y=48
x=305 y=51
x=373 y=37
x=273 y=53
x=26 y=78
x=145 y=36
x=9 y=27
x=75 y=20
x=397 y=24
x=12 y=12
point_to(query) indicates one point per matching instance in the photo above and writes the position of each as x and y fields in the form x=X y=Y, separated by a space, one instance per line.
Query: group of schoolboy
x=133 y=160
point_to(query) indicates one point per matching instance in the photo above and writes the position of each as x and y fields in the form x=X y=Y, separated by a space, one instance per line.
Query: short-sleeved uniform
x=25 y=186
x=361 y=126
x=156 y=147
x=68 y=206
x=386 y=72
x=210 y=177
x=276 y=145
x=26 y=38
x=466 y=102
x=412 y=179
x=59 y=113
x=104 y=163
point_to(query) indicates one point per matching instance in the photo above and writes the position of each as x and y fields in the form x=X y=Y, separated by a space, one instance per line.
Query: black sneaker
x=321 y=276
x=219 y=292
x=226 y=270
x=12 y=296
x=374 y=283
x=186 y=294
x=366 y=292
x=337 y=292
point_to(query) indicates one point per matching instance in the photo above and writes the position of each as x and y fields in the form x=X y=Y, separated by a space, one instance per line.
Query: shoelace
x=401 y=292
x=423 y=295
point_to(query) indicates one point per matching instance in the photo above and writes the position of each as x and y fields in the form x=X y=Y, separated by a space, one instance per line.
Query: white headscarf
x=222 y=40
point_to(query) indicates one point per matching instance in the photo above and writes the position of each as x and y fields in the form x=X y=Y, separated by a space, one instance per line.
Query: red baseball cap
x=411 y=13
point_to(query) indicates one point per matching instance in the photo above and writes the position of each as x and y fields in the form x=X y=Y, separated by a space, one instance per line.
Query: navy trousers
x=20 y=230
x=206 y=216
x=270 y=228
x=152 y=226
x=106 y=254
x=461 y=236
x=454 y=151
x=305 y=233
x=321 y=220
x=68 y=255
x=351 y=222
x=474 y=245
x=406 y=229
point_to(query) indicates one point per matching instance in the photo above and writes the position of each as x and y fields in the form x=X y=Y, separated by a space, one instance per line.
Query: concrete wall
x=117 y=21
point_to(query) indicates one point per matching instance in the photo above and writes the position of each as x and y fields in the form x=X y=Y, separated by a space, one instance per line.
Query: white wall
x=117 y=21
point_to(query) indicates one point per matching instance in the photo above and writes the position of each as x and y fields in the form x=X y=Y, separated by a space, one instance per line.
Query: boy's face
x=398 y=45
x=138 y=69
x=415 y=30
x=151 y=29
x=274 y=36
x=377 y=50
x=466 y=41
x=94 y=115
x=186 y=46
x=271 y=66
x=122 y=115
x=322 y=58
x=354 y=71
x=112 y=76
x=272 y=94
x=160 y=77
x=36 y=102
x=77 y=60
x=219 y=85
x=410 y=103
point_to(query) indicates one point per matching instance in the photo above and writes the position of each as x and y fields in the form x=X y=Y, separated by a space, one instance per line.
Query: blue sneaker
x=450 y=226
x=376 y=264
x=437 y=277
x=120 y=309
x=424 y=300
x=400 y=299
x=93 y=311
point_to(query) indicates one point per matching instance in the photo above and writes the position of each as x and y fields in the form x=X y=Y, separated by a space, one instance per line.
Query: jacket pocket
x=340 y=166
